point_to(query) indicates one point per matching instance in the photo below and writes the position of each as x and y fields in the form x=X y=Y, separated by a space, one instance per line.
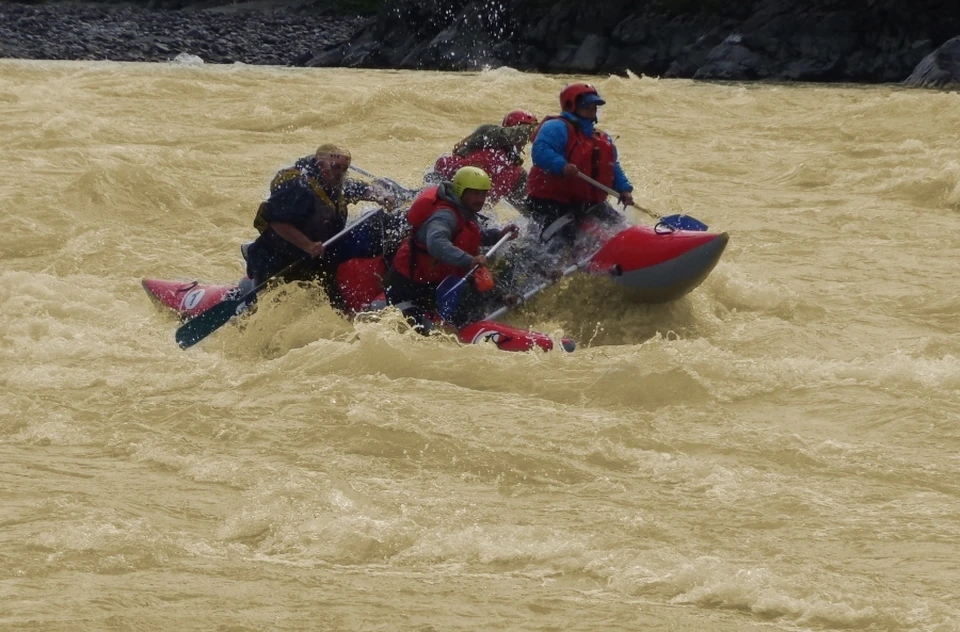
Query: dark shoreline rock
x=939 y=69
x=250 y=35
x=849 y=41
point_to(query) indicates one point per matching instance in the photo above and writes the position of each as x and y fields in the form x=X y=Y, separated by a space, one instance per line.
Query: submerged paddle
x=449 y=291
x=678 y=222
x=204 y=324
x=397 y=188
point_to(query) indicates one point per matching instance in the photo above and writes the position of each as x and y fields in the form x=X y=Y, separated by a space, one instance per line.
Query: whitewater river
x=777 y=450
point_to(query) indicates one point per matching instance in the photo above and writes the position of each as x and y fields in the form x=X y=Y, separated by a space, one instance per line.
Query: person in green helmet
x=445 y=239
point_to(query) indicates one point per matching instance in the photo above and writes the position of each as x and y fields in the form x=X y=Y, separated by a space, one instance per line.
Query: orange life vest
x=593 y=155
x=412 y=259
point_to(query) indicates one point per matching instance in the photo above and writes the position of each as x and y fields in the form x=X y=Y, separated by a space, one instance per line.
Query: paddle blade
x=683 y=222
x=448 y=296
x=198 y=328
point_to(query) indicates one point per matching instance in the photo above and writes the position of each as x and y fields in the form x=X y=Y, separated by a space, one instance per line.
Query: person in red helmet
x=519 y=117
x=498 y=150
x=564 y=146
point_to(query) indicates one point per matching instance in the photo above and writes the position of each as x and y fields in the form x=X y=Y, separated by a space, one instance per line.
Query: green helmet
x=470 y=178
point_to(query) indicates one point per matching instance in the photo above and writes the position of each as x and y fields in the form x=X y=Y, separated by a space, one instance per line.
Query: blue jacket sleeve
x=621 y=182
x=548 y=151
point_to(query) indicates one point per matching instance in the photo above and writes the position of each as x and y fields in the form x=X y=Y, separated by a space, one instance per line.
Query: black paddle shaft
x=201 y=326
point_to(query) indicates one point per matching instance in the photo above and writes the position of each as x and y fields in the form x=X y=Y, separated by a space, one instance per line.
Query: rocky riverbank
x=860 y=41
x=251 y=33
x=916 y=42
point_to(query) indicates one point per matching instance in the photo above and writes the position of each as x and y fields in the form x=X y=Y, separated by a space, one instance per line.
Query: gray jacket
x=437 y=232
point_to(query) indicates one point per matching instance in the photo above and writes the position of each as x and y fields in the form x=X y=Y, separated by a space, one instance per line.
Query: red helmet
x=573 y=96
x=519 y=117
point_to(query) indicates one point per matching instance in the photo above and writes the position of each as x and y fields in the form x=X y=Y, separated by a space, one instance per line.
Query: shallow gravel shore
x=224 y=35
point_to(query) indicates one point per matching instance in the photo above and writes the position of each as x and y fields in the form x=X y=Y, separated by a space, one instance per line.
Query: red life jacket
x=360 y=281
x=412 y=259
x=503 y=172
x=593 y=155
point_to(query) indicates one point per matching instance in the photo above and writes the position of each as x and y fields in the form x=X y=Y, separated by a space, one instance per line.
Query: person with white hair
x=307 y=205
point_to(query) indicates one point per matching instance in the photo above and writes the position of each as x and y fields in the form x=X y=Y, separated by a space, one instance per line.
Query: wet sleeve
x=437 y=234
x=548 y=148
x=355 y=190
x=621 y=182
x=490 y=236
x=291 y=202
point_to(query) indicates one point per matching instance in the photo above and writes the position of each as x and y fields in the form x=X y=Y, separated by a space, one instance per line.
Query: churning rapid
x=778 y=449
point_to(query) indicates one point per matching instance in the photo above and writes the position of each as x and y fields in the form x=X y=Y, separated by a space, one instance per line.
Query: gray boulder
x=939 y=69
x=734 y=60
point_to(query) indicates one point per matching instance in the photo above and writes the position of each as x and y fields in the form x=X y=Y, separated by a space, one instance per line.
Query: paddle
x=201 y=326
x=678 y=222
x=570 y=269
x=396 y=188
x=449 y=291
